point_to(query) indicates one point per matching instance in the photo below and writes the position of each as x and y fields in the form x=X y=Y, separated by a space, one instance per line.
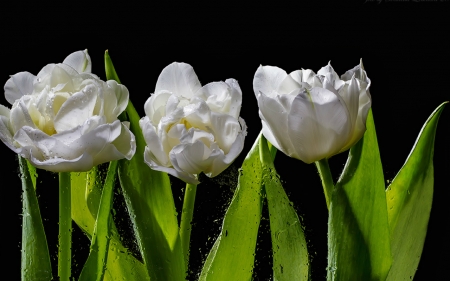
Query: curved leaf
x=232 y=256
x=290 y=253
x=121 y=265
x=95 y=266
x=358 y=231
x=409 y=199
x=35 y=256
x=149 y=200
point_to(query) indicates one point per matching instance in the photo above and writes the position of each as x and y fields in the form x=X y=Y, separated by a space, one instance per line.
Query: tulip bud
x=191 y=129
x=65 y=118
x=312 y=116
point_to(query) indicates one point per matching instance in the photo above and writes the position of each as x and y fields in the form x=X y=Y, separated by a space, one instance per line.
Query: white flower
x=191 y=129
x=65 y=118
x=312 y=116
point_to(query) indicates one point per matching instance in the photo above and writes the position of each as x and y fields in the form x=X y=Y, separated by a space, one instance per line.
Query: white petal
x=19 y=114
x=274 y=117
x=18 y=85
x=225 y=129
x=154 y=145
x=80 y=61
x=328 y=69
x=116 y=99
x=123 y=146
x=195 y=134
x=76 y=110
x=181 y=175
x=350 y=95
x=236 y=98
x=360 y=125
x=217 y=95
x=6 y=134
x=178 y=78
x=271 y=80
x=198 y=114
x=155 y=106
x=191 y=158
x=81 y=164
x=49 y=147
x=318 y=125
x=359 y=73
x=62 y=79
x=222 y=161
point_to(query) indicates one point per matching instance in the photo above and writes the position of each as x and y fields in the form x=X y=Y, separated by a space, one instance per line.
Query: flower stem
x=186 y=219
x=65 y=227
x=327 y=179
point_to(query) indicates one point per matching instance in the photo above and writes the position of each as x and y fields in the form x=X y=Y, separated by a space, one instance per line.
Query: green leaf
x=409 y=199
x=232 y=256
x=121 y=265
x=94 y=268
x=290 y=253
x=35 y=256
x=149 y=199
x=358 y=230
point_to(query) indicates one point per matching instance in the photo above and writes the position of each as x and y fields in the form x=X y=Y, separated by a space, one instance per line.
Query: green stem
x=65 y=227
x=186 y=219
x=327 y=179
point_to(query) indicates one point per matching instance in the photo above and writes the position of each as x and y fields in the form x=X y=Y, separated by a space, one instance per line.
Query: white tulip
x=312 y=116
x=65 y=118
x=191 y=129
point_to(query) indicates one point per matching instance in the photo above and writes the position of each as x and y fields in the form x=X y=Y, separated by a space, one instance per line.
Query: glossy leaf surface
x=149 y=200
x=409 y=199
x=358 y=231
x=290 y=253
x=94 y=268
x=121 y=264
x=35 y=256
x=233 y=254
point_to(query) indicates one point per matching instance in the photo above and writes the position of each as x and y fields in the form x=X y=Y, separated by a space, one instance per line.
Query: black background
x=404 y=46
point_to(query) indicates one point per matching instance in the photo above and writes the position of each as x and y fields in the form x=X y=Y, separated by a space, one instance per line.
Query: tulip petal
x=198 y=114
x=154 y=147
x=191 y=158
x=178 y=78
x=80 y=61
x=115 y=100
x=318 y=125
x=222 y=161
x=274 y=117
x=5 y=130
x=360 y=124
x=19 y=114
x=78 y=108
x=62 y=79
x=181 y=175
x=236 y=98
x=224 y=97
x=225 y=129
x=18 y=85
x=328 y=69
x=350 y=95
x=155 y=106
x=272 y=80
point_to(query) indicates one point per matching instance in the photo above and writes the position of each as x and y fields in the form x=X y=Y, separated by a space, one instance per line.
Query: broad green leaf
x=409 y=199
x=290 y=253
x=94 y=268
x=358 y=230
x=149 y=200
x=35 y=256
x=121 y=265
x=232 y=256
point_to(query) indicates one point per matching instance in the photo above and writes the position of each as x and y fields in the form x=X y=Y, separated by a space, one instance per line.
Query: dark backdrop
x=405 y=51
